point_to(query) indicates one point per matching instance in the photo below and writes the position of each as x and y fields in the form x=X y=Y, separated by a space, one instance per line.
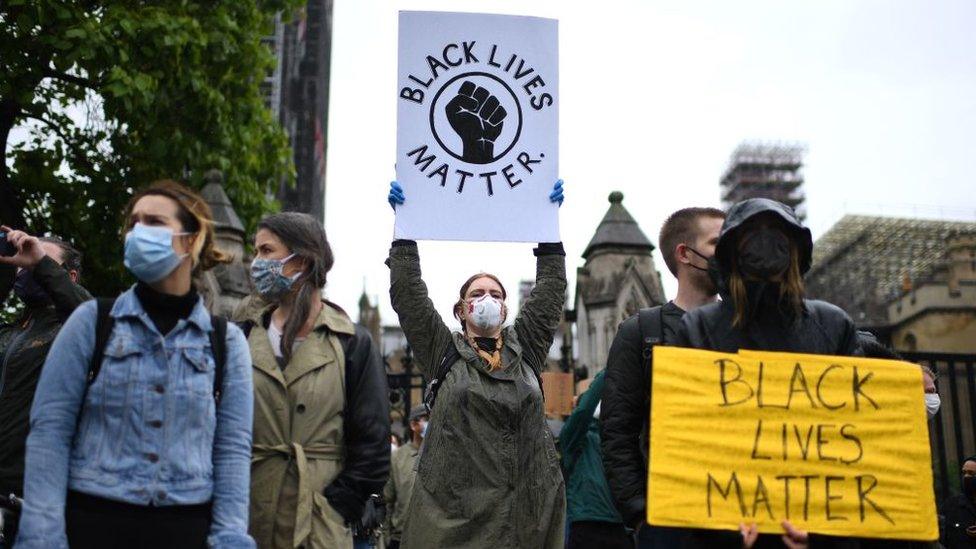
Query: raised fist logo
x=477 y=117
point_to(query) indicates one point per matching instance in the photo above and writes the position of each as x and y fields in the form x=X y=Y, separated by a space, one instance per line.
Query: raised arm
x=426 y=332
x=65 y=294
x=54 y=418
x=232 y=447
x=539 y=318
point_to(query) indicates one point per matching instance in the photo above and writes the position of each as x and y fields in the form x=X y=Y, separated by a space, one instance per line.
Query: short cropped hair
x=70 y=256
x=682 y=227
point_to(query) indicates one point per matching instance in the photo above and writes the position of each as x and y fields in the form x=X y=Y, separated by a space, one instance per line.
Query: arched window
x=911 y=342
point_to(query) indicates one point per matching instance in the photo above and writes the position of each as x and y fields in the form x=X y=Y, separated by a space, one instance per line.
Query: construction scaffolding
x=765 y=170
x=863 y=262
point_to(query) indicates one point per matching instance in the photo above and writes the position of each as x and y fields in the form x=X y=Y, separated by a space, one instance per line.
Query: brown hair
x=682 y=227
x=459 y=306
x=305 y=237
x=790 y=288
x=195 y=216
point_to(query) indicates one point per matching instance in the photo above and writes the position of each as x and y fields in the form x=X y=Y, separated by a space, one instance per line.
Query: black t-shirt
x=671 y=315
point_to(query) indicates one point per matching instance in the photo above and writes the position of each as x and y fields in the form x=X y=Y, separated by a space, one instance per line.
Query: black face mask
x=696 y=252
x=765 y=253
x=969 y=486
x=27 y=289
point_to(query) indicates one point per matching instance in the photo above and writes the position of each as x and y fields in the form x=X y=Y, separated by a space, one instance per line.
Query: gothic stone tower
x=616 y=280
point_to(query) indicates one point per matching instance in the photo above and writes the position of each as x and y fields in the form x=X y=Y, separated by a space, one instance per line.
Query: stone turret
x=617 y=279
x=225 y=286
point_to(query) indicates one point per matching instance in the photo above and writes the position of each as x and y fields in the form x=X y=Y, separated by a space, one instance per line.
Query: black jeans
x=98 y=523
x=587 y=534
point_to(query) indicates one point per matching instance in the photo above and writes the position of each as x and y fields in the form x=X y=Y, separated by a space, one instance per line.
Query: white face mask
x=596 y=413
x=423 y=429
x=932 y=404
x=485 y=312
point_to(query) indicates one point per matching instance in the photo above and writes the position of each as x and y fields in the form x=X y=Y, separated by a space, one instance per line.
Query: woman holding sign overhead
x=487 y=475
x=762 y=253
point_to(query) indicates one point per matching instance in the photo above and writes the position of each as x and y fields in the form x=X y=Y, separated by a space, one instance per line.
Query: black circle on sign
x=518 y=106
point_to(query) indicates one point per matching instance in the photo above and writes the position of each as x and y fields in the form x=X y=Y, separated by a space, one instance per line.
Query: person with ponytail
x=762 y=253
x=321 y=422
x=487 y=475
x=144 y=439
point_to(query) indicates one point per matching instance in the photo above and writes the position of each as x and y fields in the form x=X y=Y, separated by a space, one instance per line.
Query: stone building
x=617 y=279
x=224 y=287
x=911 y=281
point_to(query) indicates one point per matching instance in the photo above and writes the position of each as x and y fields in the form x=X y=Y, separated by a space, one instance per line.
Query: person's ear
x=73 y=275
x=681 y=253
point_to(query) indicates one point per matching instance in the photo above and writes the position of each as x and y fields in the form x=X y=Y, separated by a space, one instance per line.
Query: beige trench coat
x=298 y=434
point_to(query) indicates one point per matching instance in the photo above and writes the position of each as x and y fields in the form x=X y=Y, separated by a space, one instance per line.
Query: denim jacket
x=149 y=432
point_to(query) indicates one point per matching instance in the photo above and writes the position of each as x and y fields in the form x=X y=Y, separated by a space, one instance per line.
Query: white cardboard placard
x=477 y=127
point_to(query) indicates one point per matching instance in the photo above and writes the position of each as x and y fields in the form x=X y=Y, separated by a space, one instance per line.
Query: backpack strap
x=103 y=330
x=451 y=355
x=650 y=321
x=246 y=327
x=218 y=346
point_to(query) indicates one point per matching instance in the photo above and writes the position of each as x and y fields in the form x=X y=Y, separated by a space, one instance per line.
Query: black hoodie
x=822 y=328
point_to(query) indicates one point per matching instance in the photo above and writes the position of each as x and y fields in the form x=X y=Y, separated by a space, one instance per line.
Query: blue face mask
x=268 y=278
x=149 y=253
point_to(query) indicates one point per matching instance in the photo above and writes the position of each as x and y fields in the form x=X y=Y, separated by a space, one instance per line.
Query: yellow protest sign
x=835 y=445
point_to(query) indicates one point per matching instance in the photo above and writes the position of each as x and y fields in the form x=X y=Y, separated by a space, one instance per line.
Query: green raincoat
x=488 y=475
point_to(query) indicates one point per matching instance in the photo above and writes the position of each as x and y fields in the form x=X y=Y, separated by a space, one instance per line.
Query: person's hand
x=29 y=250
x=793 y=538
x=396 y=196
x=749 y=535
x=556 y=196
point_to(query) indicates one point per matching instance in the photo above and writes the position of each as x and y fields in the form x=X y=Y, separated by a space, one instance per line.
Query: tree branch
x=71 y=79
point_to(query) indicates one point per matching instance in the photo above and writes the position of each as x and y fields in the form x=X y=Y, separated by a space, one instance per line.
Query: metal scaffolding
x=765 y=170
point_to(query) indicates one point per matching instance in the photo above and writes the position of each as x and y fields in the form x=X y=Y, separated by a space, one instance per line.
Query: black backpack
x=451 y=355
x=650 y=321
x=104 y=324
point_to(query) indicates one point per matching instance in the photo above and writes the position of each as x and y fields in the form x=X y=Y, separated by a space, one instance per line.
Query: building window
x=911 y=343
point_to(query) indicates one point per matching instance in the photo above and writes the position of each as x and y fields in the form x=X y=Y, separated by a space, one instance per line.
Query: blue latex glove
x=556 y=196
x=396 y=196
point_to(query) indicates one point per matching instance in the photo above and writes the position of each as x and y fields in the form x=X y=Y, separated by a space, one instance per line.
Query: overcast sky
x=653 y=98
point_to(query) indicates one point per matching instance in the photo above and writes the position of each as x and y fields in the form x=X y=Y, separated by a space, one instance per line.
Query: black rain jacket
x=822 y=328
x=23 y=348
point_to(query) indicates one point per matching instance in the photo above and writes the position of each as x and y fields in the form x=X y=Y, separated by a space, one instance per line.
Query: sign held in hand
x=477 y=126
x=835 y=445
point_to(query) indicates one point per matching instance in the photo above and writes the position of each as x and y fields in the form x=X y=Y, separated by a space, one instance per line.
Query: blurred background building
x=297 y=92
x=766 y=170
x=910 y=281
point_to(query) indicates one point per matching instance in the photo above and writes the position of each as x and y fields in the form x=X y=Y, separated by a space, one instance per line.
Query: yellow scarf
x=493 y=359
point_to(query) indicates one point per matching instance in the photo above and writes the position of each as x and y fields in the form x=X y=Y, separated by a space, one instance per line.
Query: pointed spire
x=213 y=193
x=618 y=230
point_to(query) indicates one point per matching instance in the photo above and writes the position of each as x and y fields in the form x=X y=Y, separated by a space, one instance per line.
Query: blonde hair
x=195 y=216
x=790 y=288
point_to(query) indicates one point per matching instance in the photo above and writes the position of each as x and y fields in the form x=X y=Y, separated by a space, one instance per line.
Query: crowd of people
x=143 y=420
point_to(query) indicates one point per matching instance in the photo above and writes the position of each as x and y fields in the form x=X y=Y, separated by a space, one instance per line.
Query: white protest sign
x=477 y=127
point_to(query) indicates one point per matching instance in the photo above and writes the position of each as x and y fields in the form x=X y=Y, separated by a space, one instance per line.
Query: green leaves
x=115 y=94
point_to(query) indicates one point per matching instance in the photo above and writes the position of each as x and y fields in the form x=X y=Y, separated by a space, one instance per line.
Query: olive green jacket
x=488 y=475
x=396 y=494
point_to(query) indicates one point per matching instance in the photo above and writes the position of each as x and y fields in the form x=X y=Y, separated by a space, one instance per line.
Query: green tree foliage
x=100 y=97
